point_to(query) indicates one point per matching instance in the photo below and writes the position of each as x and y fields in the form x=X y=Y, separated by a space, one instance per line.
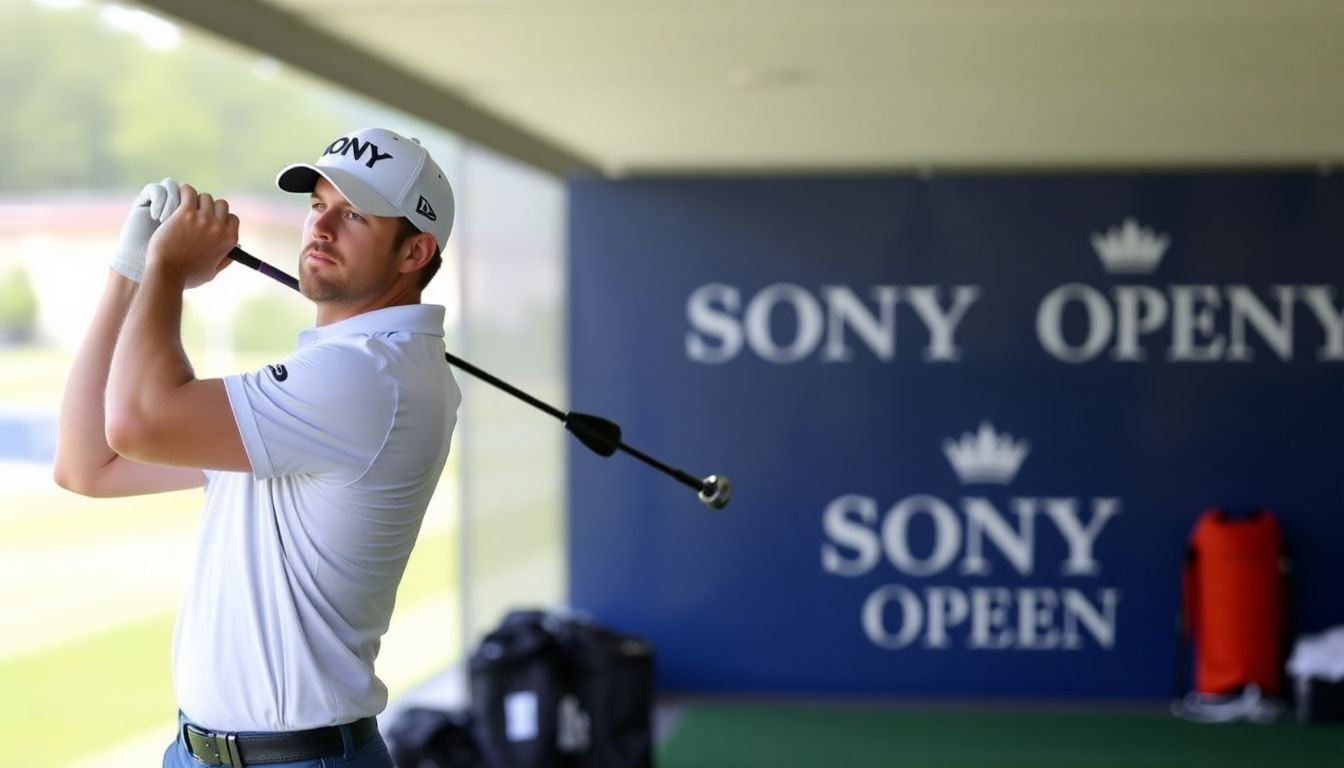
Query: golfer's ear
x=416 y=252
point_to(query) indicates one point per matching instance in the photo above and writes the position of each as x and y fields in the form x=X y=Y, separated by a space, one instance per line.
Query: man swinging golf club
x=317 y=469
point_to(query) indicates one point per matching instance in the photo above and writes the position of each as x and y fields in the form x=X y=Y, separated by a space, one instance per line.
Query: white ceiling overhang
x=734 y=86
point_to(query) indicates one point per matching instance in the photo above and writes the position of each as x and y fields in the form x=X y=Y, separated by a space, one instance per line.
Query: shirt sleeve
x=326 y=409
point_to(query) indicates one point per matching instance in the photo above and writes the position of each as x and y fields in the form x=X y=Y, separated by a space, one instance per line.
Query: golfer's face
x=347 y=254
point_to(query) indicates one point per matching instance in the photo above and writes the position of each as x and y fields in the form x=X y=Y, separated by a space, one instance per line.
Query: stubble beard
x=318 y=288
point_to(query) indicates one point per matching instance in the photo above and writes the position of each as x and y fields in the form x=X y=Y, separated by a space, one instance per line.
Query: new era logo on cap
x=425 y=209
x=383 y=174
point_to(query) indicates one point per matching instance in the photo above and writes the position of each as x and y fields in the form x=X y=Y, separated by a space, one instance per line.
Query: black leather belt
x=239 y=750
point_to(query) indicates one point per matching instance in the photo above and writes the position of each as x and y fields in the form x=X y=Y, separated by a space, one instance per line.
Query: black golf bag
x=423 y=737
x=556 y=691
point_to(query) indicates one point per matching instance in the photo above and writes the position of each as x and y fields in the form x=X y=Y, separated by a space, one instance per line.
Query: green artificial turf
x=721 y=736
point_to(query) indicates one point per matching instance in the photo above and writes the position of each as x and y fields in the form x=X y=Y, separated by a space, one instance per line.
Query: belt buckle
x=224 y=750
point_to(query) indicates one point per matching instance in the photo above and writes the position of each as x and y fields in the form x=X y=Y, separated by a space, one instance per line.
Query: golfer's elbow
x=75 y=477
x=129 y=433
x=66 y=477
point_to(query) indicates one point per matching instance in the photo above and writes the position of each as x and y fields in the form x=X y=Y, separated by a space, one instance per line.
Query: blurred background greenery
x=95 y=100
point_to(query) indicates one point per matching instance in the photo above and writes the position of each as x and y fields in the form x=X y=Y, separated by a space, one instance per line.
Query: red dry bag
x=1234 y=602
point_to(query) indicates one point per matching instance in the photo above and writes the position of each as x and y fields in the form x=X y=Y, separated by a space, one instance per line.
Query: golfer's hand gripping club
x=600 y=435
x=155 y=203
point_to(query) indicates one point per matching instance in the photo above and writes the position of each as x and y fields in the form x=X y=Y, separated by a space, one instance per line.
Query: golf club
x=600 y=435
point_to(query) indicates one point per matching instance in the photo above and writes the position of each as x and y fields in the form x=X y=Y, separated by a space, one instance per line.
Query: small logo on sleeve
x=278 y=371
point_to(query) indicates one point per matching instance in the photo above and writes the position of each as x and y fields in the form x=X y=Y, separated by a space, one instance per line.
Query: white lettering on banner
x=1203 y=323
x=722 y=324
x=947 y=535
x=712 y=309
x=1321 y=300
x=1197 y=323
x=854 y=544
x=942 y=325
x=1064 y=512
x=806 y=337
x=989 y=629
x=995 y=617
x=845 y=310
x=1015 y=544
x=856 y=536
x=1026 y=618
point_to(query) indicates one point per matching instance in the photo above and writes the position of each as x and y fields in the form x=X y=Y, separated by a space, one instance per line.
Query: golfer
x=317 y=468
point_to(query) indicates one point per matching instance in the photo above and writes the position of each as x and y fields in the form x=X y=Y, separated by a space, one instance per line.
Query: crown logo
x=986 y=456
x=1130 y=249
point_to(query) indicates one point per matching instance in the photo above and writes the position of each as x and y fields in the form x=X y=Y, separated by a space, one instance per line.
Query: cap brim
x=302 y=178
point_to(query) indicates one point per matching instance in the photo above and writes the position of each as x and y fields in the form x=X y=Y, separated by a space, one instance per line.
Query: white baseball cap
x=383 y=174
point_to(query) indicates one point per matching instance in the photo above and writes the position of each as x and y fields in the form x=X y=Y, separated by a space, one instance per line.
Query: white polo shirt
x=298 y=562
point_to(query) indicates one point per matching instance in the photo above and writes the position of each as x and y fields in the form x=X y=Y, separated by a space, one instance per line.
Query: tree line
x=91 y=107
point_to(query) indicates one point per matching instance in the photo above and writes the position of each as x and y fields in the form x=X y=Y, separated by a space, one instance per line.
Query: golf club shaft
x=707 y=488
x=490 y=378
x=684 y=477
x=252 y=262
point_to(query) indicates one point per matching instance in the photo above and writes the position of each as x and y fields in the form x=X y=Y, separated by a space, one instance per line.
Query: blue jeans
x=371 y=754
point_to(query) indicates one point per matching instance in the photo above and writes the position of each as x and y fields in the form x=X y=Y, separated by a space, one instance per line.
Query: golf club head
x=715 y=491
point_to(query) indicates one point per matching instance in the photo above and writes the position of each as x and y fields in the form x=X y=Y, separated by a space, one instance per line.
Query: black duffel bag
x=554 y=690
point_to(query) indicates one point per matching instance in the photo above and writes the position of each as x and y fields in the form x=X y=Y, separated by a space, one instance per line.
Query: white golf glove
x=155 y=203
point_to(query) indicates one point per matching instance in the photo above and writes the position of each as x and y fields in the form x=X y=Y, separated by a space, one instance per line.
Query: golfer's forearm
x=82 y=451
x=148 y=365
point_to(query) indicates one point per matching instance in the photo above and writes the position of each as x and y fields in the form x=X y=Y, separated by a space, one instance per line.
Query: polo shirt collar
x=405 y=318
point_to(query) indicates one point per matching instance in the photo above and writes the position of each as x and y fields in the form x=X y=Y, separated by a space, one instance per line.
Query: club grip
x=252 y=262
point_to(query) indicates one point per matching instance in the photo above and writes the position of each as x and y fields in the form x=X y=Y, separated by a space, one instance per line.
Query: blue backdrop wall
x=969 y=420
